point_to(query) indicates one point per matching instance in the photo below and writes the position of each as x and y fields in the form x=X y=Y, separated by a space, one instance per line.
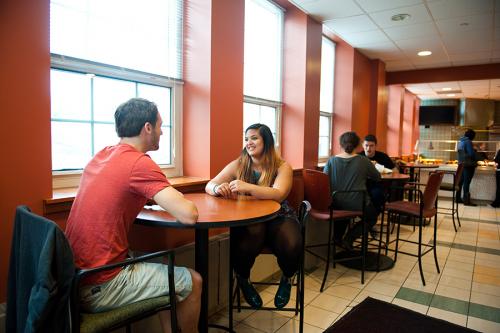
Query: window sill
x=62 y=198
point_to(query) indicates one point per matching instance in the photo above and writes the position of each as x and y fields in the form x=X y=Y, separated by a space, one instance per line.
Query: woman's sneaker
x=250 y=293
x=283 y=294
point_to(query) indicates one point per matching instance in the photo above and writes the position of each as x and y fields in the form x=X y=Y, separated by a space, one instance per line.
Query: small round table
x=214 y=212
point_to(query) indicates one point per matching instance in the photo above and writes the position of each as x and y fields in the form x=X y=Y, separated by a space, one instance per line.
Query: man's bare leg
x=188 y=311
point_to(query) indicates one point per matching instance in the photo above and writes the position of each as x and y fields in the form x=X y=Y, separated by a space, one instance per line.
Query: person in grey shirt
x=350 y=171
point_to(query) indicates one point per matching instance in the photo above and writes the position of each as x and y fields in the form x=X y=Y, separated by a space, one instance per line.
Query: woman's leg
x=285 y=240
x=246 y=244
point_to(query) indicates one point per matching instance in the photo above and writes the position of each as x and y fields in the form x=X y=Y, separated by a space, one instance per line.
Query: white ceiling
x=458 y=32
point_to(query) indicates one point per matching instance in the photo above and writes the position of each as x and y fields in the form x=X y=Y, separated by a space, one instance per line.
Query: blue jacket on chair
x=41 y=271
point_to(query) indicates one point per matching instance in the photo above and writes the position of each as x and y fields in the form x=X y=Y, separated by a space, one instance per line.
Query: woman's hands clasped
x=232 y=189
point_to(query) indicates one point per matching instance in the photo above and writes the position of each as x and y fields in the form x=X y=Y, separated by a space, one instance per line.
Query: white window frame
x=330 y=125
x=322 y=159
x=276 y=105
x=62 y=179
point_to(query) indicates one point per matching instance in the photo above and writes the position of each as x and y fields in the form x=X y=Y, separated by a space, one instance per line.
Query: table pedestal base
x=370 y=261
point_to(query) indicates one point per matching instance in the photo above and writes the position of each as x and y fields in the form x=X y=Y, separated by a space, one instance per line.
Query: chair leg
x=380 y=241
x=420 y=220
x=458 y=217
x=364 y=245
x=434 y=243
x=387 y=234
x=453 y=211
x=327 y=266
x=397 y=239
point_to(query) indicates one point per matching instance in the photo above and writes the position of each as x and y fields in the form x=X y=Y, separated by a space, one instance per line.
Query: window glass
x=108 y=94
x=327 y=78
x=71 y=146
x=70 y=95
x=123 y=33
x=324 y=136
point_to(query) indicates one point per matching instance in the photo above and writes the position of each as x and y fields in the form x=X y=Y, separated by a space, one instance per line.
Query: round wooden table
x=214 y=212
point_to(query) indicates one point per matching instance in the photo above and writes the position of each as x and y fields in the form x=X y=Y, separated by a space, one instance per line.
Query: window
x=263 y=65
x=102 y=54
x=326 y=98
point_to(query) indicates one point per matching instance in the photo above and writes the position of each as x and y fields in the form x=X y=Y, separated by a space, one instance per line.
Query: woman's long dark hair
x=271 y=161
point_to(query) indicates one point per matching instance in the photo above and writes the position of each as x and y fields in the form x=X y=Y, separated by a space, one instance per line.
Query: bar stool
x=316 y=191
x=298 y=283
x=453 y=187
x=426 y=208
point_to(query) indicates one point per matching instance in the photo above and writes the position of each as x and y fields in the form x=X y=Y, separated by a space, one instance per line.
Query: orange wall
x=378 y=126
x=213 y=91
x=25 y=170
x=394 y=120
x=301 y=82
x=408 y=125
x=362 y=84
x=343 y=92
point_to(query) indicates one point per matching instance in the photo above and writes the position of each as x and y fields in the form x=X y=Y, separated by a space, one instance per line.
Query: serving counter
x=483 y=186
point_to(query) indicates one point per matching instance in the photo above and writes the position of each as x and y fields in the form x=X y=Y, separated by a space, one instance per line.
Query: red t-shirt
x=114 y=187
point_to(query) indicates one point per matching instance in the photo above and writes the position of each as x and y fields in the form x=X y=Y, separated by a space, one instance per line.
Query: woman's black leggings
x=281 y=235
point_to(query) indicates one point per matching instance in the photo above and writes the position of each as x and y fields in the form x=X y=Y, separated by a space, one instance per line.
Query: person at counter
x=350 y=171
x=467 y=156
x=496 y=202
x=114 y=187
x=260 y=172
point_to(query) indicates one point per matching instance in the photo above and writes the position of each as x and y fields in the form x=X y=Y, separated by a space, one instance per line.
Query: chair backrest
x=296 y=194
x=432 y=189
x=41 y=273
x=317 y=189
x=458 y=173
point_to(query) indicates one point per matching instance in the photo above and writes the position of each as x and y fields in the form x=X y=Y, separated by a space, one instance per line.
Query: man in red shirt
x=114 y=187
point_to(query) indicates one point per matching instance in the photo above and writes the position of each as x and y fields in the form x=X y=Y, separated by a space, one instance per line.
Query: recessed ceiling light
x=424 y=53
x=400 y=17
x=446 y=89
x=450 y=95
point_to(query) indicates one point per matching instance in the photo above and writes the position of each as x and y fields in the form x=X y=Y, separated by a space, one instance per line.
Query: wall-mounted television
x=438 y=115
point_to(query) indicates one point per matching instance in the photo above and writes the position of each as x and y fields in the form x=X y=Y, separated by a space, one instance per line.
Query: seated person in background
x=261 y=173
x=377 y=157
x=350 y=171
x=369 y=150
x=114 y=187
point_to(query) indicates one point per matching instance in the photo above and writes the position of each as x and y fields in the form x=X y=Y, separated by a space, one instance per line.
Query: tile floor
x=466 y=292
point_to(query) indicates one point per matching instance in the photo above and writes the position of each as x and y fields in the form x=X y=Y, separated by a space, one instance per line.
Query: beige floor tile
x=452 y=292
x=485 y=299
x=452 y=317
x=469 y=267
x=486 y=288
x=364 y=294
x=488 y=262
x=410 y=305
x=487 y=270
x=383 y=288
x=417 y=285
x=481 y=325
x=242 y=328
x=292 y=326
x=330 y=303
x=455 y=282
x=487 y=279
x=319 y=317
x=458 y=273
x=343 y=291
x=460 y=258
x=267 y=321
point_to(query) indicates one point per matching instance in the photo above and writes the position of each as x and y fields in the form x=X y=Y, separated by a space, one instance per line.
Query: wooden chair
x=426 y=208
x=303 y=214
x=454 y=188
x=36 y=232
x=317 y=192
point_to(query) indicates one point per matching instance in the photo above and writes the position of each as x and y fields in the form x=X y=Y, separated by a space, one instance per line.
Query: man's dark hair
x=349 y=141
x=131 y=116
x=371 y=138
x=470 y=133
